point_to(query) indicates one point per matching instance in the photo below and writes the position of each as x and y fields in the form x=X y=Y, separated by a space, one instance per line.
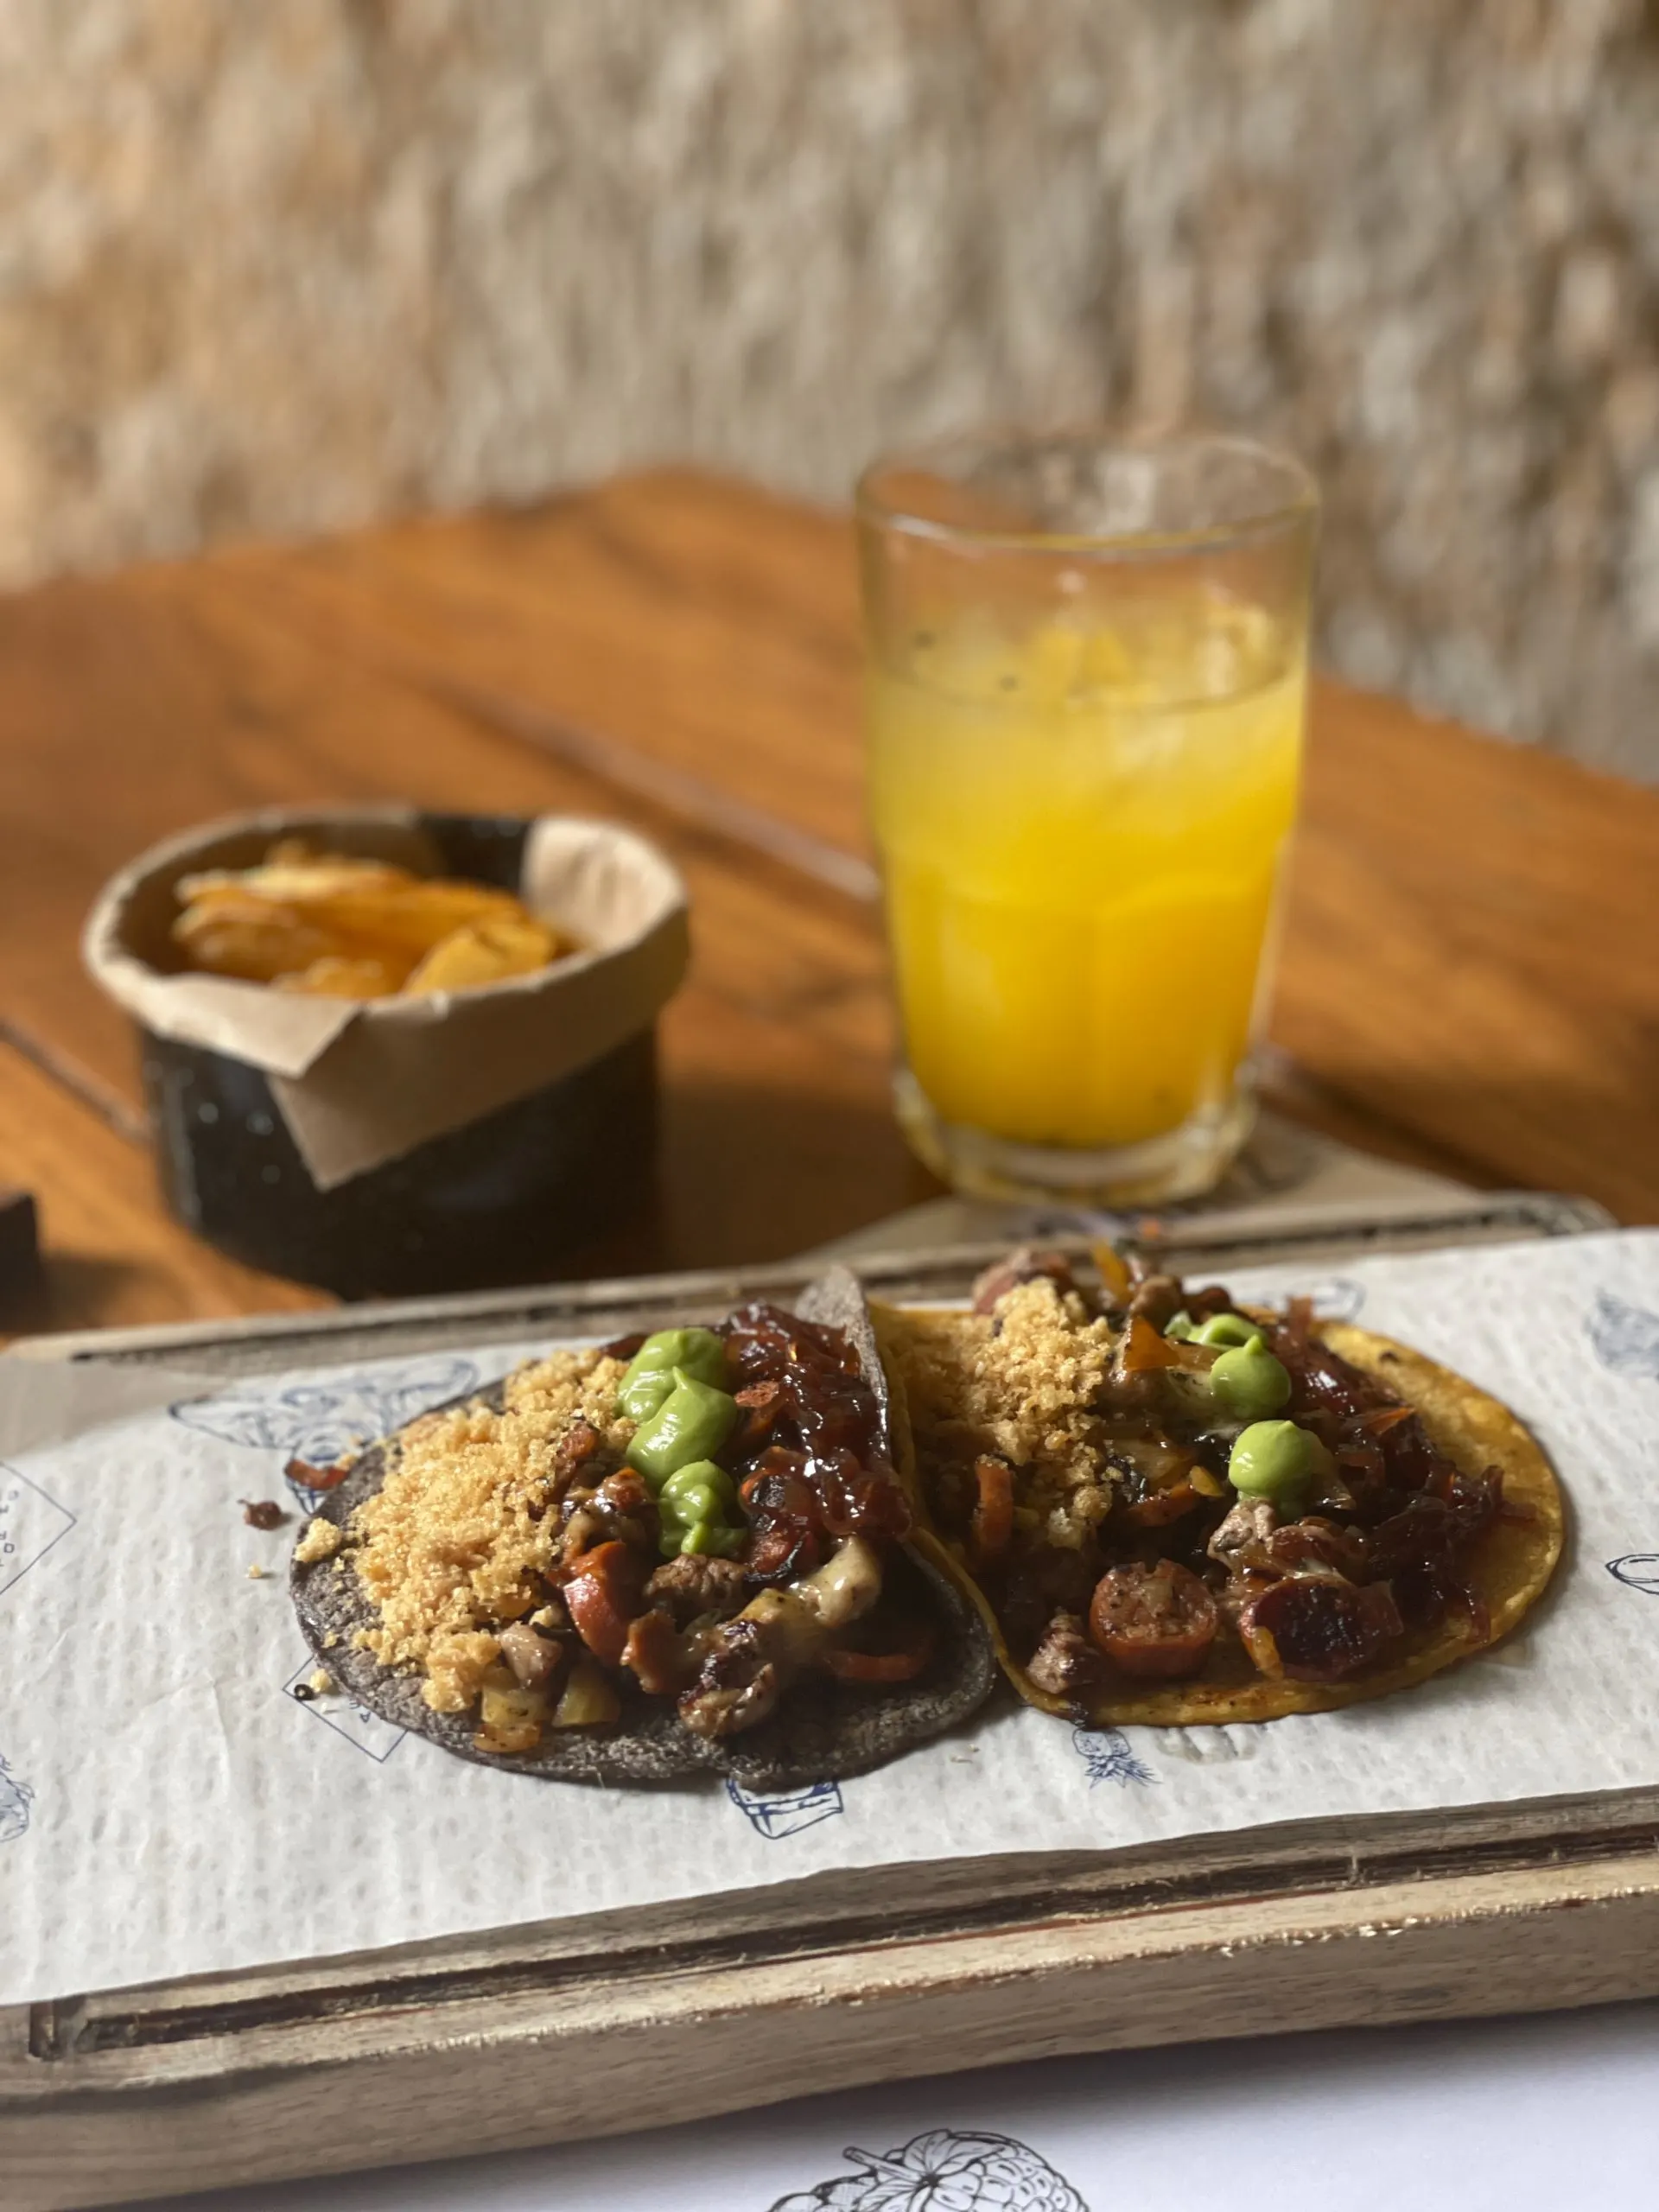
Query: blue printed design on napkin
x=318 y=1422
x=1637 y=1571
x=1626 y=1338
x=1339 y=1298
x=775 y=1814
x=31 y=1523
x=366 y=1731
x=1106 y=1753
x=16 y=1798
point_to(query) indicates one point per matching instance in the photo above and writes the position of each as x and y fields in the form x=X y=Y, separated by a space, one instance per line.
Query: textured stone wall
x=274 y=266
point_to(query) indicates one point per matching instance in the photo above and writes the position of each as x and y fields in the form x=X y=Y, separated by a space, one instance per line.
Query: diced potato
x=512 y=1718
x=589 y=1699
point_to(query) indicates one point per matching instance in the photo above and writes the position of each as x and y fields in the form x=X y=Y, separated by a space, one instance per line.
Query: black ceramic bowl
x=497 y=1201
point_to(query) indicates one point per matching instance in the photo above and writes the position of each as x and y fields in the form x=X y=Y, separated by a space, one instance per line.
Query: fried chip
x=337 y=977
x=328 y=924
x=485 y=952
x=248 y=939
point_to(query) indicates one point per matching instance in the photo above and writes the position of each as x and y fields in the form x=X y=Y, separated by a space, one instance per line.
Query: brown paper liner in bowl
x=439 y=1142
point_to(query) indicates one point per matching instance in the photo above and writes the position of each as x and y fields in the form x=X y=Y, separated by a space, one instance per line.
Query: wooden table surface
x=1468 y=979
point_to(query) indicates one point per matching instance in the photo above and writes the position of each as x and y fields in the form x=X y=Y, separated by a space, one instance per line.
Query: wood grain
x=1463 y=963
x=1466 y=949
x=234 y=712
x=1464 y=980
x=110 y=1251
x=777 y=1132
x=673 y=617
x=531 y=2053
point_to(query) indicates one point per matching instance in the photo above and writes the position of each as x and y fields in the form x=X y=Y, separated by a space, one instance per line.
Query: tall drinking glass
x=1087 y=669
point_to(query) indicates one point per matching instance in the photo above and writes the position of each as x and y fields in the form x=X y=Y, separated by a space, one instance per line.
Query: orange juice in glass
x=1087 y=672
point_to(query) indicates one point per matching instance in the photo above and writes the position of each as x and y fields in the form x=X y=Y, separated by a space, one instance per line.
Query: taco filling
x=1180 y=1510
x=700 y=1521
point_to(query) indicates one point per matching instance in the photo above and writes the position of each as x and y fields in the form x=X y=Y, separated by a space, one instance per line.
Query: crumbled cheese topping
x=320 y=1540
x=321 y=1680
x=1024 y=1391
x=462 y=1521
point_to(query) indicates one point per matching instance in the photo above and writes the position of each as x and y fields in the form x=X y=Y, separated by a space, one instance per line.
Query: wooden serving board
x=522 y=2036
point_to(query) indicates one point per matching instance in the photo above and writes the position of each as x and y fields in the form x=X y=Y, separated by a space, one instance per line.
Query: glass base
x=1183 y=1163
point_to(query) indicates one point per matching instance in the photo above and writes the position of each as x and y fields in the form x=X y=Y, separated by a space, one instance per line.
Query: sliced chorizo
x=1156 y=1623
x=603 y=1596
x=991 y=1529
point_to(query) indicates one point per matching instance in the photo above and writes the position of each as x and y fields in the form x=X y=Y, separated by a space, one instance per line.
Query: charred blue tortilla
x=823 y=1728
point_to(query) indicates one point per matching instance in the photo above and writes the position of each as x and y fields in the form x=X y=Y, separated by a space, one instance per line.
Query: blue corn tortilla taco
x=679 y=1554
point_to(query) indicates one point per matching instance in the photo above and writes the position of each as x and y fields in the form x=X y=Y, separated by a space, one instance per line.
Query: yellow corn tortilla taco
x=1173 y=1510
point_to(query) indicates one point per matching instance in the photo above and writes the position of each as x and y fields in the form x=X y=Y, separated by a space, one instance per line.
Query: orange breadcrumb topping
x=1027 y=1392
x=462 y=1522
x=320 y=1540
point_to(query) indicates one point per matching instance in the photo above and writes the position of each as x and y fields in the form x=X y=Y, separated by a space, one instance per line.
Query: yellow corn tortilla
x=1508 y=1571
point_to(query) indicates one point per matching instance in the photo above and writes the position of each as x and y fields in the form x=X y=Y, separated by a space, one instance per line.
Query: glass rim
x=1302 y=503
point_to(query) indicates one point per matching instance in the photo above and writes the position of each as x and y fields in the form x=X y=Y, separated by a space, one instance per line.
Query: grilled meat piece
x=697 y=1584
x=1319 y=1628
x=1066 y=1663
x=1026 y=1265
x=534 y=1658
x=753 y=1659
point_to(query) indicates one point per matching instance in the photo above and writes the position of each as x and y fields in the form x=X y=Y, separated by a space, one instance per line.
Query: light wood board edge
x=546 y=2065
x=1318 y=1236
x=187 y=2028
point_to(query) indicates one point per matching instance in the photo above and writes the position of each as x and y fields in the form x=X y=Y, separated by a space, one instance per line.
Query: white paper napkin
x=167 y=1806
